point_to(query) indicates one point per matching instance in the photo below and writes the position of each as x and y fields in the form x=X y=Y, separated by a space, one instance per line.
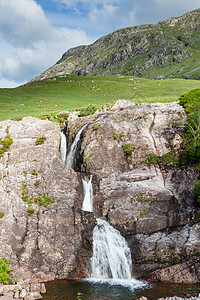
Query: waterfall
x=71 y=154
x=88 y=198
x=111 y=255
x=63 y=146
x=69 y=162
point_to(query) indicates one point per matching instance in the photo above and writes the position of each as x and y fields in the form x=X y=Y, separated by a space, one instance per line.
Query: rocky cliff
x=167 y=49
x=138 y=183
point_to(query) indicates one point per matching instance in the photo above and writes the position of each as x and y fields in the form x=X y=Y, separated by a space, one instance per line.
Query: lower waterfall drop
x=111 y=261
x=88 y=198
x=111 y=255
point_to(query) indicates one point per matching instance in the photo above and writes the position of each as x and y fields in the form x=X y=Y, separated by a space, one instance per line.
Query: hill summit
x=168 y=49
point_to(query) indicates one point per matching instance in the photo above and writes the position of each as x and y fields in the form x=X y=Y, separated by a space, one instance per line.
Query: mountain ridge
x=170 y=48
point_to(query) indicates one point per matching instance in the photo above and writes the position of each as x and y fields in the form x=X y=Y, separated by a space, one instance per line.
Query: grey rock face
x=40 y=237
x=43 y=230
x=146 y=202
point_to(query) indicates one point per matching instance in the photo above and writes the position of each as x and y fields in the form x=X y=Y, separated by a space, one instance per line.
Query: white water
x=111 y=255
x=70 y=156
x=88 y=198
x=69 y=162
x=63 y=147
x=111 y=260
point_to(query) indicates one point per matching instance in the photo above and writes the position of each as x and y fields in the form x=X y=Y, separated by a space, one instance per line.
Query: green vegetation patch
x=169 y=158
x=128 y=149
x=4 y=269
x=142 y=213
x=30 y=210
x=2 y=213
x=34 y=172
x=96 y=126
x=37 y=183
x=5 y=143
x=40 y=140
x=117 y=136
x=153 y=159
x=197 y=192
x=41 y=200
x=86 y=111
x=62 y=118
x=141 y=197
x=197 y=218
x=190 y=100
x=88 y=158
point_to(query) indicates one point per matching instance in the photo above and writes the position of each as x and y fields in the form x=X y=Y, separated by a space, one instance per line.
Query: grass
x=72 y=92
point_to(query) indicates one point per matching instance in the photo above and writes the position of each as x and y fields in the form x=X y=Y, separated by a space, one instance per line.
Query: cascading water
x=111 y=260
x=88 y=198
x=69 y=162
x=63 y=146
x=111 y=255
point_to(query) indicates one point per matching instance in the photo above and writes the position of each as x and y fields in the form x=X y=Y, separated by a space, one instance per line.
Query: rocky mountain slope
x=43 y=230
x=170 y=48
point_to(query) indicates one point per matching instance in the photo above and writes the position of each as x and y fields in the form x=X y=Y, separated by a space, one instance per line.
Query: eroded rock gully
x=151 y=205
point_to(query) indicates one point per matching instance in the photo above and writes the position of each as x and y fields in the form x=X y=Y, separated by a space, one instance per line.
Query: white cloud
x=29 y=43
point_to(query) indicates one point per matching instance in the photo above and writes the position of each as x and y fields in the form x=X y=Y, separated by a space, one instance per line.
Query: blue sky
x=35 y=33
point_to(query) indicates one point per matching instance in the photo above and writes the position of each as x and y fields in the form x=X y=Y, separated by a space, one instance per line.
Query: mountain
x=170 y=48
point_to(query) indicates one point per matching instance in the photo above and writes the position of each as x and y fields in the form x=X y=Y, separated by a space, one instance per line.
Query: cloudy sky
x=35 y=33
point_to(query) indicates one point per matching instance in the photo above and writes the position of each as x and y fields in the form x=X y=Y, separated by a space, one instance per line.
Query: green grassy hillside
x=74 y=92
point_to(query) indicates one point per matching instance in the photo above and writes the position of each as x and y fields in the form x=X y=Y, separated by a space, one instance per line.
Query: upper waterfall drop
x=88 y=198
x=63 y=146
x=71 y=154
x=69 y=162
x=111 y=255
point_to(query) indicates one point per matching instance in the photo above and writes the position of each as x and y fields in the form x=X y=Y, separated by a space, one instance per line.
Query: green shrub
x=25 y=193
x=30 y=210
x=34 y=172
x=197 y=192
x=128 y=149
x=4 y=269
x=63 y=118
x=177 y=260
x=5 y=143
x=191 y=138
x=42 y=200
x=37 y=183
x=197 y=217
x=96 y=126
x=142 y=213
x=170 y=158
x=117 y=136
x=152 y=159
x=40 y=140
x=86 y=111
x=190 y=100
x=2 y=213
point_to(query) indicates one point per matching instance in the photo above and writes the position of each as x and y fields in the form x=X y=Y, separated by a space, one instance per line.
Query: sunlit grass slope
x=74 y=92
